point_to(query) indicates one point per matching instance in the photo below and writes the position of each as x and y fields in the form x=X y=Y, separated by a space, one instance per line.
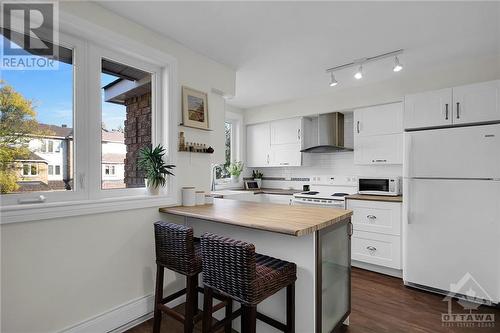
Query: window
x=221 y=172
x=126 y=111
x=30 y=169
x=46 y=102
x=85 y=125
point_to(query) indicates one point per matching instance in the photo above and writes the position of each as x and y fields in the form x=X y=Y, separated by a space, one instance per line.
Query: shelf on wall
x=202 y=129
x=196 y=152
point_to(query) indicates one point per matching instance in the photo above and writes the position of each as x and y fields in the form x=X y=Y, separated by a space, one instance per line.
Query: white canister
x=200 y=198
x=188 y=196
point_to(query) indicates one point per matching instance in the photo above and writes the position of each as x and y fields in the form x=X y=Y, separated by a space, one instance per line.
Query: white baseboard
x=117 y=320
x=379 y=269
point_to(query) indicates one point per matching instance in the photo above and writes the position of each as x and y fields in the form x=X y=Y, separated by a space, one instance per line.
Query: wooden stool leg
x=229 y=312
x=290 y=308
x=158 y=298
x=248 y=319
x=207 y=310
x=191 y=293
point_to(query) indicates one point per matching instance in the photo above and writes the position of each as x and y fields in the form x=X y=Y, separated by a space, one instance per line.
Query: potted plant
x=235 y=170
x=257 y=176
x=156 y=170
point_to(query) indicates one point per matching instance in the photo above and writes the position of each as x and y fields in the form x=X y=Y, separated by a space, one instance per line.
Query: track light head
x=333 y=81
x=397 y=66
x=359 y=74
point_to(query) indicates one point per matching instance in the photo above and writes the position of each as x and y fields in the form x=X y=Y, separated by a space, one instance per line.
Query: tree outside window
x=221 y=172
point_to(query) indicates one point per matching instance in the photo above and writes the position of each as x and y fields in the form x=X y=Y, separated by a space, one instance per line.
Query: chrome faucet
x=214 y=173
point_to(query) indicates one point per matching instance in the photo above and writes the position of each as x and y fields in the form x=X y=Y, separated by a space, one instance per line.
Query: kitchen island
x=316 y=239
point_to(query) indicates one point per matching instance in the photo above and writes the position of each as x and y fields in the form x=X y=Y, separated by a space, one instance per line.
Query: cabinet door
x=286 y=131
x=428 y=109
x=379 y=120
x=258 y=144
x=379 y=149
x=286 y=155
x=476 y=102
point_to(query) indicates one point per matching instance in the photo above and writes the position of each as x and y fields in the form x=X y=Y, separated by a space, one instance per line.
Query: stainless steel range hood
x=324 y=133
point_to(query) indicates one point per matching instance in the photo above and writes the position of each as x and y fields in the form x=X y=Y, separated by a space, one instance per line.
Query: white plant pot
x=235 y=179
x=259 y=182
x=152 y=190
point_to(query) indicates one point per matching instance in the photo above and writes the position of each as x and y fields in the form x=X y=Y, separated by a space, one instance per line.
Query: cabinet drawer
x=376 y=216
x=378 y=249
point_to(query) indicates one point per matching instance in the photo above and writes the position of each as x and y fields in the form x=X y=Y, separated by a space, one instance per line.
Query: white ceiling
x=280 y=50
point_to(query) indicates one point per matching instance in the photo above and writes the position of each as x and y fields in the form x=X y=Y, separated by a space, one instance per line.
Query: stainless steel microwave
x=380 y=185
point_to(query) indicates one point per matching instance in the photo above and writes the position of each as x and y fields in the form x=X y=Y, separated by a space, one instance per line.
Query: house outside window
x=51 y=170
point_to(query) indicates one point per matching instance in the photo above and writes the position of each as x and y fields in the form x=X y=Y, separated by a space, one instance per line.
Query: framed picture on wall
x=194 y=108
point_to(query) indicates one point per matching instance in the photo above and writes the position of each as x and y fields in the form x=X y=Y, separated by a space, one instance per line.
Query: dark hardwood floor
x=382 y=304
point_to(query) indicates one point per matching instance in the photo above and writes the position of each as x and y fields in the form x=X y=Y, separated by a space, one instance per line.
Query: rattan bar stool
x=232 y=268
x=179 y=251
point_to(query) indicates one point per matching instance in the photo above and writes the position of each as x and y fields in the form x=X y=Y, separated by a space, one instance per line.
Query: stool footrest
x=173 y=296
x=272 y=322
x=223 y=322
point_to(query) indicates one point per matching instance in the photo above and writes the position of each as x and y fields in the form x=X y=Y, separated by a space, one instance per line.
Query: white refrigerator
x=451 y=211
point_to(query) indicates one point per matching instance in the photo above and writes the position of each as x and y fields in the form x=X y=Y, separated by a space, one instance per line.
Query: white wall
x=475 y=70
x=57 y=273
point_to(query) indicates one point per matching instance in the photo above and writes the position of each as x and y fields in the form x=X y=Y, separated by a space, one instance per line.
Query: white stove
x=329 y=191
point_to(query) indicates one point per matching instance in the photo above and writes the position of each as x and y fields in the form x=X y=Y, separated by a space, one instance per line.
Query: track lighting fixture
x=397 y=66
x=359 y=73
x=333 y=81
x=361 y=62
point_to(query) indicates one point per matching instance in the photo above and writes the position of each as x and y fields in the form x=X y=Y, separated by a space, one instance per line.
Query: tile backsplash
x=340 y=163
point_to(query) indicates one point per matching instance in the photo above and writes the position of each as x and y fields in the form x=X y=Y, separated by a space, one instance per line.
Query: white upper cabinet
x=379 y=120
x=428 y=109
x=473 y=103
x=258 y=145
x=476 y=102
x=276 y=143
x=286 y=131
x=378 y=134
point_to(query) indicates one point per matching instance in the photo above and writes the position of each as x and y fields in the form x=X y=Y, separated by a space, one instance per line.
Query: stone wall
x=137 y=135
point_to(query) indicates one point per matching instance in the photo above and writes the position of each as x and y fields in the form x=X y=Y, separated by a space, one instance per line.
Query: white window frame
x=86 y=197
x=55 y=170
x=30 y=165
x=49 y=168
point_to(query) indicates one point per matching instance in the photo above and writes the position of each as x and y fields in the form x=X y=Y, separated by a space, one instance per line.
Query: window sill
x=38 y=212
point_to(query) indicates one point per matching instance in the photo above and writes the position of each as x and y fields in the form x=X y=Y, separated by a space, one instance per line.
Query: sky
x=52 y=94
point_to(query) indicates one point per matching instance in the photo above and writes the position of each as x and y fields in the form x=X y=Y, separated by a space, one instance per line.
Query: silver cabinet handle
x=39 y=199
x=371 y=248
x=458 y=110
x=371 y=217
x=283 y=163
x=267 y=158
x=357 y=126
x=379 y=161
x=298 y=134
x=446 y=111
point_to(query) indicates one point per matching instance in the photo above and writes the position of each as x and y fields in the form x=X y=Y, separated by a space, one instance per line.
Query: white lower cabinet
x=378 y=249
x=275 y=198
x=376 y=237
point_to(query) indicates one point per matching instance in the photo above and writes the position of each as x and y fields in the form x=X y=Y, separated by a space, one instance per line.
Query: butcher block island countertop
x=284 y=219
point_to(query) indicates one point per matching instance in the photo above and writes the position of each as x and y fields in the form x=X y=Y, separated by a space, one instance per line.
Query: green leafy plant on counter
x=256 y=174
x=151 y=162
x=235 y=169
